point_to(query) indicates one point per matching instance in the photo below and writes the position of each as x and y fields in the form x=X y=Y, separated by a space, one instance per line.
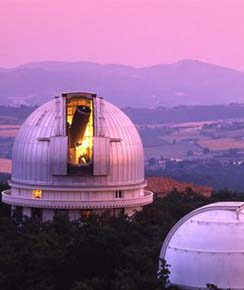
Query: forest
x=96 y=253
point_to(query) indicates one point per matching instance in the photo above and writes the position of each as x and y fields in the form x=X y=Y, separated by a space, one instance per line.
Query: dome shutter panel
x=59 y=160
x=101 y=156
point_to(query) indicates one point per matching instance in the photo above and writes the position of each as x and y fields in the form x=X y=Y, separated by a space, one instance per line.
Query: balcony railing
x=77 y=204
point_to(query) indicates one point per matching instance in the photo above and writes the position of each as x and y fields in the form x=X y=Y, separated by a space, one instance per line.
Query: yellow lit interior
x=81 y=154
x=36 y=193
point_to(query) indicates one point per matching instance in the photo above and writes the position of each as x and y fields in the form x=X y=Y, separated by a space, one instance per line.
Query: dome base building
x=207 y=247
x=77 y=155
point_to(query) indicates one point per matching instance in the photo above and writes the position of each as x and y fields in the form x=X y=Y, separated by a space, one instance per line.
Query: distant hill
x=180 y=114
x=145 y=116
x=187 y=82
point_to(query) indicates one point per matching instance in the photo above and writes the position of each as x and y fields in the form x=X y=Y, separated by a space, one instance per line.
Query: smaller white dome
x=207 y=247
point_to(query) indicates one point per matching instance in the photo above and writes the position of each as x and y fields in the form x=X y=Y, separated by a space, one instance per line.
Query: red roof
x=163 y=185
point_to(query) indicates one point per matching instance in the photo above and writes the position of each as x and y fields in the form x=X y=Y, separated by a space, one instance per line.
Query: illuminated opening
x=36 y=193
x=79 y=119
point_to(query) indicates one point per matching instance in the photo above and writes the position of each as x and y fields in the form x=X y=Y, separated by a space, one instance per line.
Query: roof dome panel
x=33 y=158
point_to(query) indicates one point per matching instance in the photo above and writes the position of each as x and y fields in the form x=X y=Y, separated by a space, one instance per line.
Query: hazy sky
x=135 y=32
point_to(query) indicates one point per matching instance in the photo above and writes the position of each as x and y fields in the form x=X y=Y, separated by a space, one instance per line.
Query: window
x=36 y=193
x=118 y=194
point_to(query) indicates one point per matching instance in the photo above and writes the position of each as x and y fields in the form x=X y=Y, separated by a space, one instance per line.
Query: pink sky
x=134 y=32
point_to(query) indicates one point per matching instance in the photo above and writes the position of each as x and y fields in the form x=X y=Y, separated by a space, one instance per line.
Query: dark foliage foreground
x=99 y=253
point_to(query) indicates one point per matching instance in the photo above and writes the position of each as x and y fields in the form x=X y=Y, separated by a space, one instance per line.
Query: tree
x=152 y=161
x=189 y=153
x=205 y=150
x=81 y=286
x=161 y=158
x=212 y=287
x=163 y=275
x=97 y=253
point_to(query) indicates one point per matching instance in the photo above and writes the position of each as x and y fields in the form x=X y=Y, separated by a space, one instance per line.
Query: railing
x=77 y=204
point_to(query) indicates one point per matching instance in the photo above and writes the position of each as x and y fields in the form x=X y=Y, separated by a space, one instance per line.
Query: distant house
x=161 y=186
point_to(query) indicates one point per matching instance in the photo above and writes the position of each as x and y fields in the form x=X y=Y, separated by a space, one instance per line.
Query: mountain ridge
x=186 y=82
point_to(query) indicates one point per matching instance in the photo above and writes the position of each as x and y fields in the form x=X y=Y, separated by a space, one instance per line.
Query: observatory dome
x=207 y=247
x=78 y=152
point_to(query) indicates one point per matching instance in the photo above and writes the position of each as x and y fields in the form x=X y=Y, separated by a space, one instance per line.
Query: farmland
x=9 y=130
x=222 y=144
x=7 y=135
x=5 y=165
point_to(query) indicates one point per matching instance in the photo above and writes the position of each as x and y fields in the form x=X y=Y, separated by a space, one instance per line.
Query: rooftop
x=161 y=186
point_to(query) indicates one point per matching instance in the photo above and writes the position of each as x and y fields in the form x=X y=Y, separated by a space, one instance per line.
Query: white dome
x=32 y=156
x=78 y=152
x=207 y=247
